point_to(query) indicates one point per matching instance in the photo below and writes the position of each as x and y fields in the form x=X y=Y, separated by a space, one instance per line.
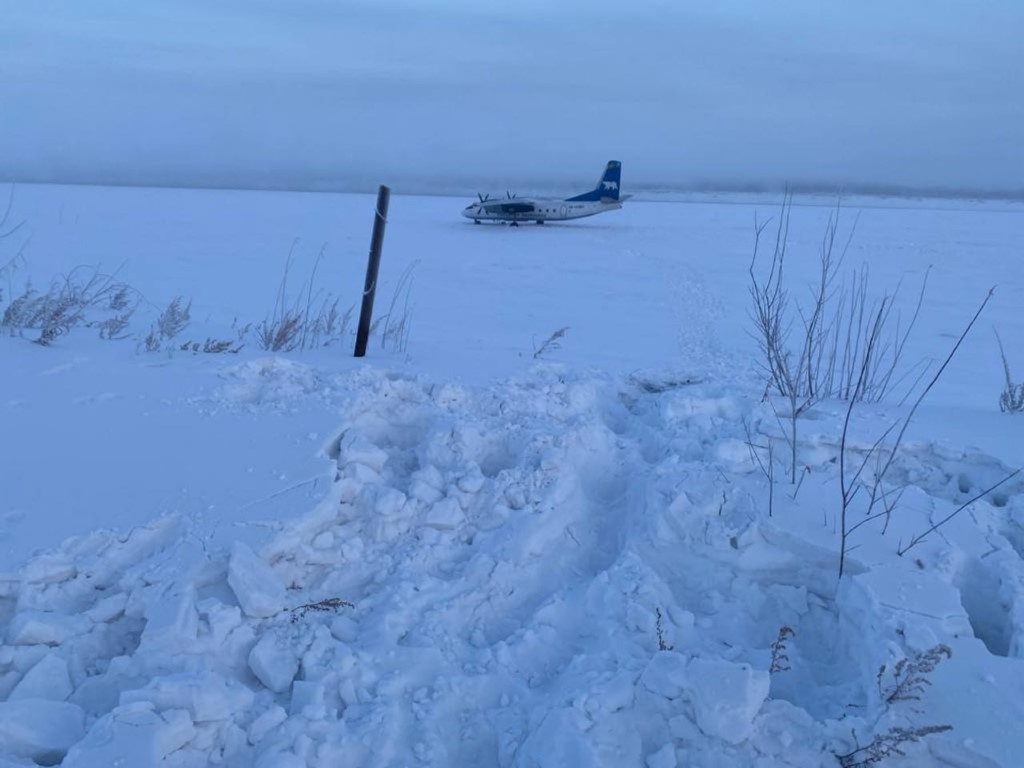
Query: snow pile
x=269 y=382
x=555 y=570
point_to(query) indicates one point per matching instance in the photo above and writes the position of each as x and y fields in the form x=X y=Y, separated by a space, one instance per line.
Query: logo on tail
x=607 y=187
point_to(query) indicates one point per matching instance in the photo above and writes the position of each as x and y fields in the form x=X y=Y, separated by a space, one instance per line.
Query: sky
x=460 y=94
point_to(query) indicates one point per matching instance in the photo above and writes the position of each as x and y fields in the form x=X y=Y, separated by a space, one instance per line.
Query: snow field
x=494 y=562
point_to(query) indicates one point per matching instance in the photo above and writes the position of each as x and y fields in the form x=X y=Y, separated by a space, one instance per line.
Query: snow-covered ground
x=461 y=553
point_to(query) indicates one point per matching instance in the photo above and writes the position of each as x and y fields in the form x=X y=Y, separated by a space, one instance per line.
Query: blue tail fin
x=607 y=187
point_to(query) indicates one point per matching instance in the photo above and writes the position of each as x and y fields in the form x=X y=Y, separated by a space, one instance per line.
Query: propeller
x=509 y=195
x=483 y=198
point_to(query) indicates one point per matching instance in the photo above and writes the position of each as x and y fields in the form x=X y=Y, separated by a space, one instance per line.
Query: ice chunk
x=725 y=697
x=47 y=680
x=274 y=661
x=43 y=628
x=258 y=589
x=40 y=730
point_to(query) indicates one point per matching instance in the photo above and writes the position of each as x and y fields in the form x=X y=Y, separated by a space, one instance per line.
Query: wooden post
x=372 y=268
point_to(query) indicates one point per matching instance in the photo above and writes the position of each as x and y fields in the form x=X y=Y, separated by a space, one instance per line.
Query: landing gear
x=540 y=221
x=476 y=221
x=513 y=223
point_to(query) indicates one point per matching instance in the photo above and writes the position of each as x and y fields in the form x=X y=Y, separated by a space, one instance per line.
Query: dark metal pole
x=372 y=268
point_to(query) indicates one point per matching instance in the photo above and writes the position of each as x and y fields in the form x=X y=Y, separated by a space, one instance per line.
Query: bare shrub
x=840 y=345
x=329 y=605
x=659 y=630
x=852 y=478
x=918 y=538
x=888 y=745
x=830 y=348
x=906 y=681
x=909 y=677
x=1011 y=400
x=765 y=464
x=780 y=660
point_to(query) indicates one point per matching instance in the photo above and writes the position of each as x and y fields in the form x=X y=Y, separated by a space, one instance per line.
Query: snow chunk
x=567 y=738
x=172 y=624
x=265 y=723
x=274 y=662
x=280 y=760
x=49 y=568
x=663 y=758
x=109 y=608
x=323 y=540
x=40 y=730
x=100 y=694
x=308 y=699
x=48 y=680
x=42 y=628
x=666 y=674
x=359 y=450
x=344 y=628
x=206 y=696
x=269 y=381
x=258 y=589
x=446 y=515
x=725 y=697
x=134 y=735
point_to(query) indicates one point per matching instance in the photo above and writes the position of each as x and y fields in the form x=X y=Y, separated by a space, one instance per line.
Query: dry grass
x=308 y=320
x=85 y=297
x=550 y=344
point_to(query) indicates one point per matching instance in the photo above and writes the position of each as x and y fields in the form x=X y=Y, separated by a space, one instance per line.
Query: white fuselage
x=518 y=209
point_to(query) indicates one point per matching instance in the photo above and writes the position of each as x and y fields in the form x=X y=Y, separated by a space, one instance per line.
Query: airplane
x=604 y=197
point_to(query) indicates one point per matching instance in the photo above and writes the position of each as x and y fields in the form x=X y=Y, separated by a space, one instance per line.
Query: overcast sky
x=462 y=93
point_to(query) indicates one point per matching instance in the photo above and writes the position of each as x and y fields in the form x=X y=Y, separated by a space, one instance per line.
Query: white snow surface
x=462 y=555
